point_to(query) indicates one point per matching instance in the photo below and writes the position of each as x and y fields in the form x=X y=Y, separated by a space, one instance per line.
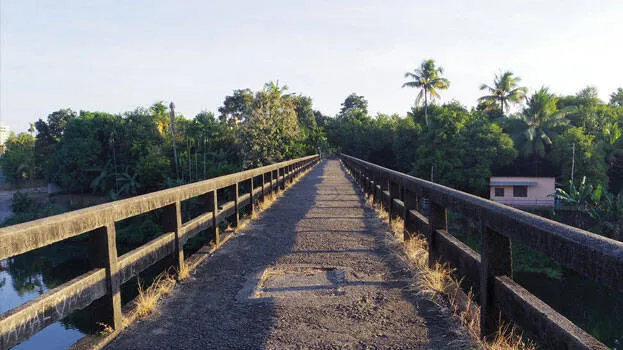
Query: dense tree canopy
x=271 y=129
x=125 y=154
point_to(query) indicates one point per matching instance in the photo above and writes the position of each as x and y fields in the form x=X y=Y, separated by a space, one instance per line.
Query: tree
x=348 y=132
x=269 y=132
x=48 y=136
x=535 y=128
x=312 y=135
x=589 y=159
x=616 y=98
x=237 y=107
x=160 y=114
x=428 y=79
x=588 y=96
x=354 y=103
x=463 y=149
x=82 y=153
x=405 y=142
x=504 y=91
x=18 y=161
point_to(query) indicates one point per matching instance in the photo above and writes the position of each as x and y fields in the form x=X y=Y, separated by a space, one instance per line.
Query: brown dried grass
x=147 y=300
x=183 y=272
x=437 y=282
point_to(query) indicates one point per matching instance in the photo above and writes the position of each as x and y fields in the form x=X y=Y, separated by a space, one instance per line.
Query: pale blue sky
x=116 y=55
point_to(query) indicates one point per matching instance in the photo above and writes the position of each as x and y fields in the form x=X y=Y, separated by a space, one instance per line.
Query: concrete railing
x=489 y=274
x=110 y=271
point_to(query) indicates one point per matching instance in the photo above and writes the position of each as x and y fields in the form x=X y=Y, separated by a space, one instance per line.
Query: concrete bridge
x=315 y=270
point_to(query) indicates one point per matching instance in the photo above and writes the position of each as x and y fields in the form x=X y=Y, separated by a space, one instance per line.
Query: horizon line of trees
x=126 y=154
x=568 y=137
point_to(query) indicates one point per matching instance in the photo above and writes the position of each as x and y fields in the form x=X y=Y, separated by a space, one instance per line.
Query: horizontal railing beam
x=542 y=322
x=460 y=256
x=596 y=257
x=18 y=239
x=22 y=322
x=137 y=260
x=29 y=318
x=490 y=275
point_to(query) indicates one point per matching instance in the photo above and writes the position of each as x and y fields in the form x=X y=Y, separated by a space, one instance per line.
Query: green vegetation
x=428 y=79
x=503 y=91
x=578 y=139
x=139 y=151
x=449 y=144
x=18 y=163
x=121 y=155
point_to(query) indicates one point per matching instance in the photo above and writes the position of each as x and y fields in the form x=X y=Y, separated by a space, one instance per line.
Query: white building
x=4 y=134
x=523 y=191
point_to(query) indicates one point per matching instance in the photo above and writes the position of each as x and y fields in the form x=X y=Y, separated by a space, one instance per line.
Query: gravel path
x=316 y=270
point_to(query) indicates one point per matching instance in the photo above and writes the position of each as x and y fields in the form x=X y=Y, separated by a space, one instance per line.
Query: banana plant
x=582 y=197
x=603 y=207
x=129 y=185
x=99 y=184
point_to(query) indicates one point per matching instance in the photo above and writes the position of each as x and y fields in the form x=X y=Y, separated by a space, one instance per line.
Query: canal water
x=15 y=290
x=27 y=276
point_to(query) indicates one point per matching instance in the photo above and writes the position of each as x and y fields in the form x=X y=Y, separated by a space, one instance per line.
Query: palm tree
x=504 y=90
x=427 y=78
x=535 y=128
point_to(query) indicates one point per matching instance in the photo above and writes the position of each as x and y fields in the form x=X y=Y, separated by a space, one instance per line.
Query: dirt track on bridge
x=316 y=270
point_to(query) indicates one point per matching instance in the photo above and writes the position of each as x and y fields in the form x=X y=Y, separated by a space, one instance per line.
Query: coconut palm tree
x=504 y=91
x=428 y=79
x=535 y=128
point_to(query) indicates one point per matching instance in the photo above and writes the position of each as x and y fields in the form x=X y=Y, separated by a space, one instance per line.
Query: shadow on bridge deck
x=316 y=270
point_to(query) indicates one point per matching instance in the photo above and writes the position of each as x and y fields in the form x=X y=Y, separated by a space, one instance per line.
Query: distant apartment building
x=523 y=191
x=4 y=136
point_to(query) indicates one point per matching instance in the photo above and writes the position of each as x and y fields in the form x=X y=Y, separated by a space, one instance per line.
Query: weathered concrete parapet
x=593 y=256
x=26 y=320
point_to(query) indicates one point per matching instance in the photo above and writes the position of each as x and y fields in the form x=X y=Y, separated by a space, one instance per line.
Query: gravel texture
x=315 y=270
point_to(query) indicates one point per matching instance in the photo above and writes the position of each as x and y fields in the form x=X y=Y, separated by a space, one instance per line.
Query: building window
x=520 y=191
x=499 y=191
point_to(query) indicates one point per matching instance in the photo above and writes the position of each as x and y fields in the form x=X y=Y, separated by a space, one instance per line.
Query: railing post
x=251 y=198
x=373 y=192
x=212 y=201
x=394 y=192
x=496 y=260
x=410 y=203
x=283 y=179
x=384 y=186
x=103 y=254
x=437 y=219
x=236 y=205
x=172 y=222
x=263 y=184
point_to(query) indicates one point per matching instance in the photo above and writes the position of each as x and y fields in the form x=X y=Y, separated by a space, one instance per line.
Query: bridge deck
x=316 y=270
